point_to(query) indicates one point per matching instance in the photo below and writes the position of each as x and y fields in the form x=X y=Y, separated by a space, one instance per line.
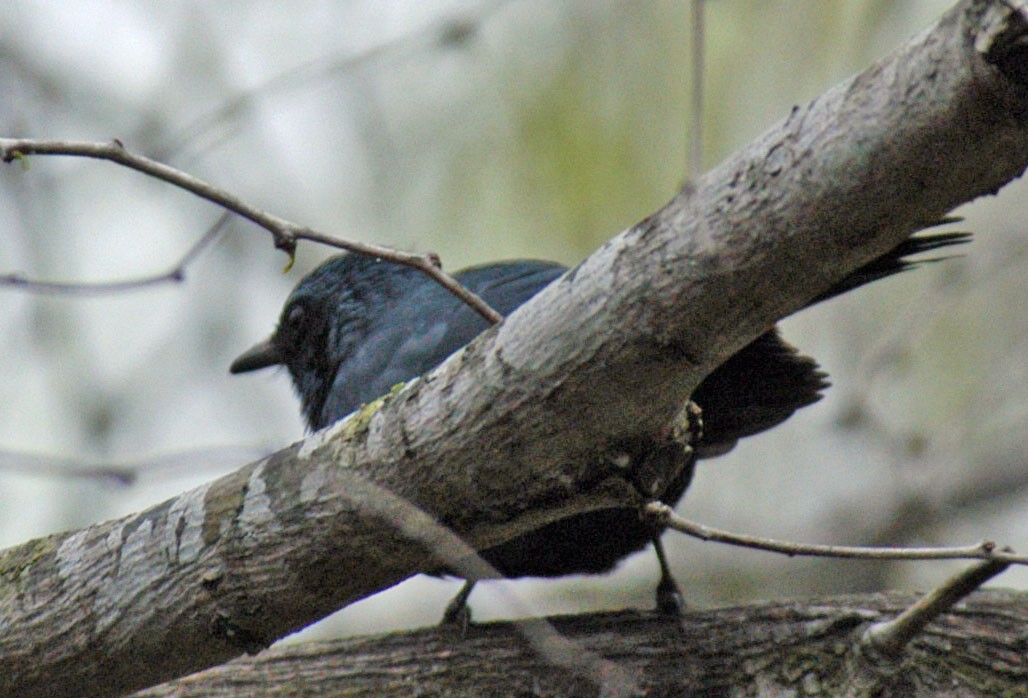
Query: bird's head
x=325 y=318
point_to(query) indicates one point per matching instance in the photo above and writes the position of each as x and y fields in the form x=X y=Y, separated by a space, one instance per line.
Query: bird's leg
x=687 y=431
x=457 y=612
x=669 y=597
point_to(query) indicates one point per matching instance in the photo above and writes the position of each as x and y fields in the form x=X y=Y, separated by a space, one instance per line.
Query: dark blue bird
x=356 y=326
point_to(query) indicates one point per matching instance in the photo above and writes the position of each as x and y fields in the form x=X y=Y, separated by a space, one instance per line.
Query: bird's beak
x=259 y=356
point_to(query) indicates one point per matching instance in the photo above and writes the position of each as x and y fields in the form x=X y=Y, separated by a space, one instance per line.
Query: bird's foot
x=670 y=602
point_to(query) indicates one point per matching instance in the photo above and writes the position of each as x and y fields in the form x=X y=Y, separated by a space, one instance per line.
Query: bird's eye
x=294 y=322
x=294 y=318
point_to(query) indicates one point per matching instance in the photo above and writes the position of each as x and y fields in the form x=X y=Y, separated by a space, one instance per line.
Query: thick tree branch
x=769 y=649
x=512 y=431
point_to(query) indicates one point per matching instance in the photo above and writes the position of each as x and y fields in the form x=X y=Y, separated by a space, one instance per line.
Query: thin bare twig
x=890 y=637
x=985 y=550
x=174 y=275
x=447 y=31
x=695 y=168
x=286 y=233
x=128 y=472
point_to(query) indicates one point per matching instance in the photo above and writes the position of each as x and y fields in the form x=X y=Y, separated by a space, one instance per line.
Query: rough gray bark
x=771 y=649
x=514 y=431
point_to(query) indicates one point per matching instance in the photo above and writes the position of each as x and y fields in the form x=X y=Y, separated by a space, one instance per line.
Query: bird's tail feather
x=896 y=260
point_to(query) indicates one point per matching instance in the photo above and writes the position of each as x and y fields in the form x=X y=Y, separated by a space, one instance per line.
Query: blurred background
x=481 y=131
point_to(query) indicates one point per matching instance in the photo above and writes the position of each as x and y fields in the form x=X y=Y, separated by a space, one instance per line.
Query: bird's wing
x=422 y=328
x=759 y=387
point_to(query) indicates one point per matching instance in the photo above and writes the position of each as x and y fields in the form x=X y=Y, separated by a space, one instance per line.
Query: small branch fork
x=285 y=233
x=888 y=638
x=986 y=550
x=175 y=274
